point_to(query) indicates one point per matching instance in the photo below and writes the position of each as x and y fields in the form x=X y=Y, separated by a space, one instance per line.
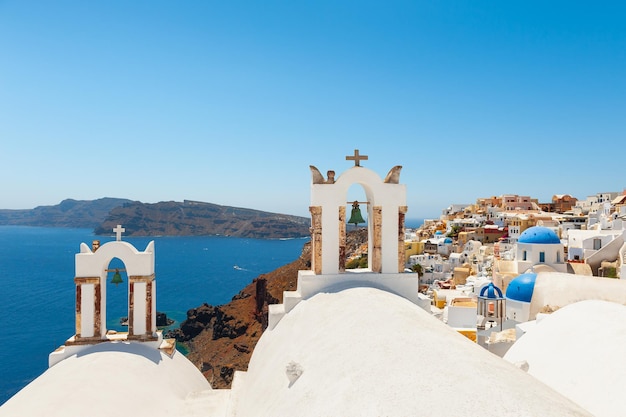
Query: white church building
x=344 y=343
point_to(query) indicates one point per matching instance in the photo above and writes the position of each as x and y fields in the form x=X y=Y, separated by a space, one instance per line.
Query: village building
x=593 y=203
x=483 y=204
x=562 y=203
x=514 y=202
x=569 y=222
x=619 y=206
x=412 y=247
x=452 y=210
x=503 y=247
x=489 y=233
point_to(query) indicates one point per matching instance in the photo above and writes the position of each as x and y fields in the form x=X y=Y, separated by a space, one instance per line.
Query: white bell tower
x=91 y=299
x=386 y=209
x=91 y=274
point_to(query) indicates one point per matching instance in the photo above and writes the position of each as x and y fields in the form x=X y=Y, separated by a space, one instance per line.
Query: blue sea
x=37 y=291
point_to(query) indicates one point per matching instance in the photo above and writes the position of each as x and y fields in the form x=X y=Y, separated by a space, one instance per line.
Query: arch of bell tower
x=90 y=279
x=386 y=208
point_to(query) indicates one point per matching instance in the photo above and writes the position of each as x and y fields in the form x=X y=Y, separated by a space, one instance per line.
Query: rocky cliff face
x=221 y=339
x=191 y=218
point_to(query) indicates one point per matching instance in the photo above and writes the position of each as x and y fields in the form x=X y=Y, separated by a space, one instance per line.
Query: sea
x=37 y=291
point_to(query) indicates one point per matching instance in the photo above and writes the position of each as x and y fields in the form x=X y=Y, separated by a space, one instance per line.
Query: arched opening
x=356 y=230
x=116 y=296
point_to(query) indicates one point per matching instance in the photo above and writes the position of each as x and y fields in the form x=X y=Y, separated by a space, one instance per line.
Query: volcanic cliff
x=220 y=339
x=195 y=218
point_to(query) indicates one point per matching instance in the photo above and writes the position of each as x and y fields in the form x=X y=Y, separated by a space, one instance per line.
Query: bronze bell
x=355 y=216
x=117 y=278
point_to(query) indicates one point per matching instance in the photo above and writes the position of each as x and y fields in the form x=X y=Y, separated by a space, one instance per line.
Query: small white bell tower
x=91 y=274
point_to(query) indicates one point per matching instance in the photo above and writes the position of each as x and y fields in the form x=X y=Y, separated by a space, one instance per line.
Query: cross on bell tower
x=118 y=232
x=357 y=158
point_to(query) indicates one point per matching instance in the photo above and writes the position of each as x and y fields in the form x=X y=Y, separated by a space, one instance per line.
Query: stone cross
x=356 y=158
x=118 y=232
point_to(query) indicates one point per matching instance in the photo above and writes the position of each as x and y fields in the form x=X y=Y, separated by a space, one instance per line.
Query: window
x=597 y=244
x=524 y=256
x=542 y=257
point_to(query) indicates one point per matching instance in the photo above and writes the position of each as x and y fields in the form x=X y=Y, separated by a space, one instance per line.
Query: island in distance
x=169 y=218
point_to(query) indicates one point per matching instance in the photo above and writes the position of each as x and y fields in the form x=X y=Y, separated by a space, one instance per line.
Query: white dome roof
x=366 y=352
x=579 y=351
x=112 y=378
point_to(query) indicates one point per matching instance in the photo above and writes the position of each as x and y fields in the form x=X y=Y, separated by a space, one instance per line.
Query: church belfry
x=90 y=280
x=385 y=205
x=385 y=202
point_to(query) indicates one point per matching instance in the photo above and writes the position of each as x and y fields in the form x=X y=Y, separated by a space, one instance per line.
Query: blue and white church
x=539 y=249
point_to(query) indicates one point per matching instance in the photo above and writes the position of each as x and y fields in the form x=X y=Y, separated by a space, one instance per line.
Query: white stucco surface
x=579 y=351
x=558 y=290
x=367 y=352
x=115 y=379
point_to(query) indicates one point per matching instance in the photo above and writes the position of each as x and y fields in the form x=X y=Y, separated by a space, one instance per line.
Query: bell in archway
x=355 y=216
x=117 y=278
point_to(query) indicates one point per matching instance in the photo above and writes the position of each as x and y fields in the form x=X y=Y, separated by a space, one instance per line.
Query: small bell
x=355 y=216
x=117 y=278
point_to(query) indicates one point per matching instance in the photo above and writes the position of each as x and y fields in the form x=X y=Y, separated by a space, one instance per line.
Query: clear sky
x=229 y=102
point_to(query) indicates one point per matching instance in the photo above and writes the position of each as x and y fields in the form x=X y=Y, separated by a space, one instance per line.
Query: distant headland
x=169 y=218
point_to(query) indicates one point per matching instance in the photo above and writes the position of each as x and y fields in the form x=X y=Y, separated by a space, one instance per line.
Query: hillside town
x=476 y=239
x=498 y=242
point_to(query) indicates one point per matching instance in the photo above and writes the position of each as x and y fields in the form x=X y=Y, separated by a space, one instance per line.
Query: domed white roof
x=579 y=351
x=112 y=378
x=367 y=352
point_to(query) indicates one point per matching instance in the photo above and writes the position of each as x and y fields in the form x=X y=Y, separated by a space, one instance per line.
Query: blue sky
x=230 y=101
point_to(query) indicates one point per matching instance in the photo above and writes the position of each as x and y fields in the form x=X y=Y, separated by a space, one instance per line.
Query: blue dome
x=539 y=234
x=447 y=240
x=491 y=291
x=521 y=288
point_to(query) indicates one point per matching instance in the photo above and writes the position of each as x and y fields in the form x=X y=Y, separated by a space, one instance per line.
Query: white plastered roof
x=366 y=352
x=114 y=378
x=579 y=351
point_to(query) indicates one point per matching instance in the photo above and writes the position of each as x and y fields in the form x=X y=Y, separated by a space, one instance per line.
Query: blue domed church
x=540 y=249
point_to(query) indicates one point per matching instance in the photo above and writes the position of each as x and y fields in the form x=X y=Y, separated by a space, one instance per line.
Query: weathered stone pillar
x=401 y=232
x=149 y=329
x=144 y=292
x=131 y=306
x=93 y=311
x=342 y=239
x=377 y=212
x=79 y=292
x=97 y=324
x=316 y=239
